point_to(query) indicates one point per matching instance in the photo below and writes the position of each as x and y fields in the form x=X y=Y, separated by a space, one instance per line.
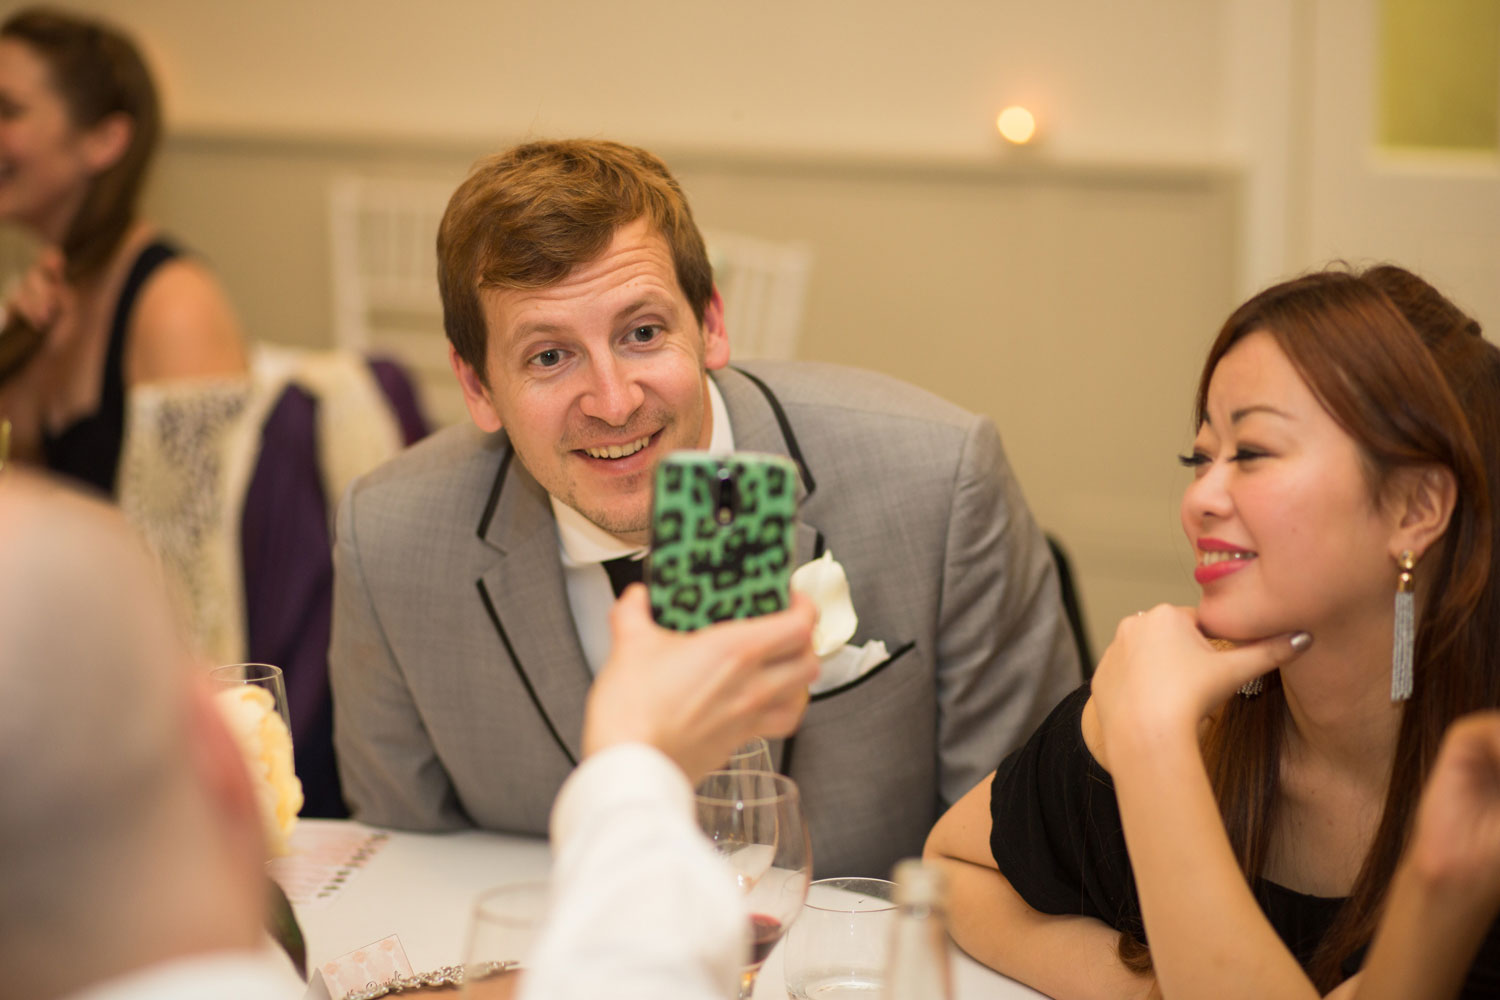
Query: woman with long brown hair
x=109 y=304
x=1204 y=820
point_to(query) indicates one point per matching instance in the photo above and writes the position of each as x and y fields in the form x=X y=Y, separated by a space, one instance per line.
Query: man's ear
x=1424 y=499
x=715 y=337
x=107 y=140
x=476 y=394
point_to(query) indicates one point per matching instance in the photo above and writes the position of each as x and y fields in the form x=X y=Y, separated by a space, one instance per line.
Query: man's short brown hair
x=527 y=217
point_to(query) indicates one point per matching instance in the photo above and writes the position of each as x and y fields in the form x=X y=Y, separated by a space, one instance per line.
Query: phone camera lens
x=724 y=498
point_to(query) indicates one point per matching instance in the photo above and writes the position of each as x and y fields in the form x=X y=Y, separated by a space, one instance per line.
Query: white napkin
x=825 y=582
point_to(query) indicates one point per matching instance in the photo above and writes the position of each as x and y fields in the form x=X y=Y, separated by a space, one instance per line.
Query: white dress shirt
x=642 y=907
x=585 y=546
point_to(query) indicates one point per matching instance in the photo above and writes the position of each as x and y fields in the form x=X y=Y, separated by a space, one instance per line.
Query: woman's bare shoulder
x=183 y=326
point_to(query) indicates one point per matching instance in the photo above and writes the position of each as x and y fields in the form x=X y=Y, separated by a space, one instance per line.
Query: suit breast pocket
x=882 y=667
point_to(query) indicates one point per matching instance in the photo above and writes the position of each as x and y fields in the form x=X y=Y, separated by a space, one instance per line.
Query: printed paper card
x=323 y=859
x=360 y=969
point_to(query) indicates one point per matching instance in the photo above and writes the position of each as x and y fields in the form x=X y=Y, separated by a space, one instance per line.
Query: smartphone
x=722 y=535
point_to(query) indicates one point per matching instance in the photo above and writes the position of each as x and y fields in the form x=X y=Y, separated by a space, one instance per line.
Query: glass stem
x=747 y=982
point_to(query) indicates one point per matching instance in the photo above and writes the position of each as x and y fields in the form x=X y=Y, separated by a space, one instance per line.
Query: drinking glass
x=754 y=755
x=837 y=947
x=754 y=819
x=261 y=675
x=502 y=933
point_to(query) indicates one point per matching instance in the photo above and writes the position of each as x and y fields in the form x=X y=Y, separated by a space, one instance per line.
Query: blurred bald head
x=102 y=733
x=89 y=661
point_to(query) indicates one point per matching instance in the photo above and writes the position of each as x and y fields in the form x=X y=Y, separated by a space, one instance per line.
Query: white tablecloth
x=420 y=887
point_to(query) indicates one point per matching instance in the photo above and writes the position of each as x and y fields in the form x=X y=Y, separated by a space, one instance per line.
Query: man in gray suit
x=474 y=572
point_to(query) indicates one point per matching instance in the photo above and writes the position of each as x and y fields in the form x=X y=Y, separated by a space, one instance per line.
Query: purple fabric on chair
x=399 y=392
x=289 y=587
x=288 y=565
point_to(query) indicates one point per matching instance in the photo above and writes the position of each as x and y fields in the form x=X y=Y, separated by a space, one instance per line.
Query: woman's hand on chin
x=1161 y=678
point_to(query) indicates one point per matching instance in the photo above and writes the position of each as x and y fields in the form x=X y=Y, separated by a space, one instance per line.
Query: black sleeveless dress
x=1056 y=836
x=88 y=450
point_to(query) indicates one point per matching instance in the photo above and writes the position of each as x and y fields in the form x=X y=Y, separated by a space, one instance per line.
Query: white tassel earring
x=1406 y=630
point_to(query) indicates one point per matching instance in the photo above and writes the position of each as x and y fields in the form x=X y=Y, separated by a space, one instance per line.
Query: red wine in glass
x=764 y=933
x=754 y=820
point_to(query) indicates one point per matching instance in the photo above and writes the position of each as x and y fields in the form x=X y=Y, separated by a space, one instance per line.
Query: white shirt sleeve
x=642 y=907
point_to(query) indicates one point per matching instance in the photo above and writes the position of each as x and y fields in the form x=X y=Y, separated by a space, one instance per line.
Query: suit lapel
x=760 y=424
x=526 y=599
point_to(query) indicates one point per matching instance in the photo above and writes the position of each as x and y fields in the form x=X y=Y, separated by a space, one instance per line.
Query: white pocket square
x=824 y=581
x=848 y=663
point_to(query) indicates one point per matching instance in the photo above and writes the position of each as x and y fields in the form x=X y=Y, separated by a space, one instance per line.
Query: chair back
x=764 y=287
x=383 y=233
x=314 y=439
x=1072 y=604
x=233 y=482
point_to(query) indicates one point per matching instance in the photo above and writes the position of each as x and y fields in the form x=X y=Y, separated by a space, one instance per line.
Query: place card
x=323 y=859
x=360 y=969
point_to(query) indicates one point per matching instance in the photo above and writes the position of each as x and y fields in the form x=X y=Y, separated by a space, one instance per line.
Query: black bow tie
x=624 y=571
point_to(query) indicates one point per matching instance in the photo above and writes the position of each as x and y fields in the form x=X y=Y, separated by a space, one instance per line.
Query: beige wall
x=1068 y=292
x=1136 y=80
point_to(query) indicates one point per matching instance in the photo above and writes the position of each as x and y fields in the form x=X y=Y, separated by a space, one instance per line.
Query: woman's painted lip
x=1215 y=569
x=1219 y=570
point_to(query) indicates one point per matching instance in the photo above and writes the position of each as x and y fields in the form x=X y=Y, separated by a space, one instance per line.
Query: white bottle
x=918 y=965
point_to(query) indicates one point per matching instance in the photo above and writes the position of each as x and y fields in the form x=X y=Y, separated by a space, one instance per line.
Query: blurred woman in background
x=109 y=303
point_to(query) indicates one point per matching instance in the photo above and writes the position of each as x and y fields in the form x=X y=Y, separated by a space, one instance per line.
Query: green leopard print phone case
x=722 y=530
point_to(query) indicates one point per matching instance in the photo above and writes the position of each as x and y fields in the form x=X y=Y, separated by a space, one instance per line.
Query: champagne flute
x=754 y=819
x=261 y=675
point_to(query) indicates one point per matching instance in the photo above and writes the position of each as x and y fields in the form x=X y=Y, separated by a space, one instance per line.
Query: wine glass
x=837 y=947
x=754 y=819
x=502 y=933
x=753 y=755
x=261 y=675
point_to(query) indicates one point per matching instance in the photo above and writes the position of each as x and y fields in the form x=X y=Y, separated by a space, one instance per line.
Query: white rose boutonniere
x=825 y=582
x=267 y=746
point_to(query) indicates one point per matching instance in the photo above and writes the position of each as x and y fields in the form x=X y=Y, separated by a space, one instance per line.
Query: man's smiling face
x=597 y=377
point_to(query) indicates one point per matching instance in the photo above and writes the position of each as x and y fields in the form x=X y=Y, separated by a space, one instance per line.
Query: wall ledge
x=1019 y=164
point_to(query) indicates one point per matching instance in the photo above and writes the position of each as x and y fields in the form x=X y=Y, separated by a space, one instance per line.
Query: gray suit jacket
x=459 y=681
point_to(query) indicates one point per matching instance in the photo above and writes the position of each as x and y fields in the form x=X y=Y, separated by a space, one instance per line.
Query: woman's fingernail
x=1301 y=641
